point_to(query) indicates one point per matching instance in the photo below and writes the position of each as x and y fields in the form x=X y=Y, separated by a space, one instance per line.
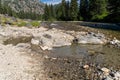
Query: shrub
x=35 y=23
x=22 y=24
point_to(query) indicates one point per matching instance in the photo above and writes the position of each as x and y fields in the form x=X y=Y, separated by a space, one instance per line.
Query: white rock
x=46 y=48
x=35 y=42
x=90 y=39
x=105 y=70
x=117 y=75
x=86 y=66
x=54 y=58
x=52 y=24
x=23 y=45
x=109 y=78
x=46 y=57
x=115 y=41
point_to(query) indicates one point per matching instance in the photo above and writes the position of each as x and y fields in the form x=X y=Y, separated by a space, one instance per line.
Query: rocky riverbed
x=26 y=54
x=48 y=38
x=70 y=68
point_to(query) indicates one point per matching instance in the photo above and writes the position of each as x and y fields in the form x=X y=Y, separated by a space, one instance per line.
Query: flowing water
x=100 y=54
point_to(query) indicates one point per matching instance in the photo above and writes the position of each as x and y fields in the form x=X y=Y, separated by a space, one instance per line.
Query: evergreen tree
x=46 y=12
x=98 y=9
x=63 y=9
x=52 y=11
x=49 y=13
x=73 y=9
x=0 y=5
x=84 y=10
x=114 y=11
x=114 y=6
x=58 y=12
x=67 y=11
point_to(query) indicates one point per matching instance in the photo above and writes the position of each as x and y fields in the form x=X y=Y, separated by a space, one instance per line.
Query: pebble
x=91 y=51
x=35 y=42
x=46 y=57
x=86 y=66
x=105 y=70
x=54 y=58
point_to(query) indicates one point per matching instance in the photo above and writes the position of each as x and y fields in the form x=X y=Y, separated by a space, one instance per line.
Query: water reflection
x=98 y=54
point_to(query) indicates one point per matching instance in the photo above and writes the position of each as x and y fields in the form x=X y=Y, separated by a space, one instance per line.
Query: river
x=106 y=55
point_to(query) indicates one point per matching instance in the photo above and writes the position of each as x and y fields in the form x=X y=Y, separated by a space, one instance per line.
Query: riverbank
x=71 y=68
x=20 y=63
x=25 y=53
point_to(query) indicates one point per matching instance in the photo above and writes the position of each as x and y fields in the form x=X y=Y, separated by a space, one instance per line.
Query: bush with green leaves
x=22 y=24
x=35 y=23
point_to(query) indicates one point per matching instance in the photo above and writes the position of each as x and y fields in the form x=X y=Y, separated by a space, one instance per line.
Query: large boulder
x=91 y=38
x=56 y=38
x=53 y=38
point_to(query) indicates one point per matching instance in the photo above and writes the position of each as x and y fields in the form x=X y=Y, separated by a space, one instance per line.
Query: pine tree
x=49 y=13
x=0 y=7
x=84 y=10
x=73 y=9
x=98 y=9
x=46 y=12
x=0 y=4
x=67 y=11
x=63 y=10
x=52 y=12
x=114 y=6
x=114 y=11
x=58 y=10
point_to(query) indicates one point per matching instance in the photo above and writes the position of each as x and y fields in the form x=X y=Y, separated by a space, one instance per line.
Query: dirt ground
x=20 y=63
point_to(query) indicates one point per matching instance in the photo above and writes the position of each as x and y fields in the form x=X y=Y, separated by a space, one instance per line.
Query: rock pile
x=115 y=42
x=91 y=38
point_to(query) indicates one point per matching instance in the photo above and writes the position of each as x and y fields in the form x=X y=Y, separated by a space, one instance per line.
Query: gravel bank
x=19 y=63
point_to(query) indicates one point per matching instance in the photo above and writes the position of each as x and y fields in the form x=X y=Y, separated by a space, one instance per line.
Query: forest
x=84 y=10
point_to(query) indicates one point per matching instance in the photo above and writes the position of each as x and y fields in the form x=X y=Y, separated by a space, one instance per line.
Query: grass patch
x=22 y=24
x=35 y=23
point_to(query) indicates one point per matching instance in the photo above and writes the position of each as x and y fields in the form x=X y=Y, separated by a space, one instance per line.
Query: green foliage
x=58 y=12
x=99 y=17
x=84 y=9
x=114 y=18
x=97 y=9
x=67 y=11
x=88 y=10
x=114 y=6
x=35 y=23
x=114 y=11
x=22 y=24
x=63 y=9
x=46 y=12
x=73 y=10
x=52 y=11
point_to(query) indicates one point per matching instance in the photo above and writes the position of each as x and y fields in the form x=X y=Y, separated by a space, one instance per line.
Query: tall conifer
x=73 y=9
x=98 y=9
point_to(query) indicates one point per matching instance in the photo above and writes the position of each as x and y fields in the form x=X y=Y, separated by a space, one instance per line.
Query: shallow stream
x=106 y=55
x=100 y=54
